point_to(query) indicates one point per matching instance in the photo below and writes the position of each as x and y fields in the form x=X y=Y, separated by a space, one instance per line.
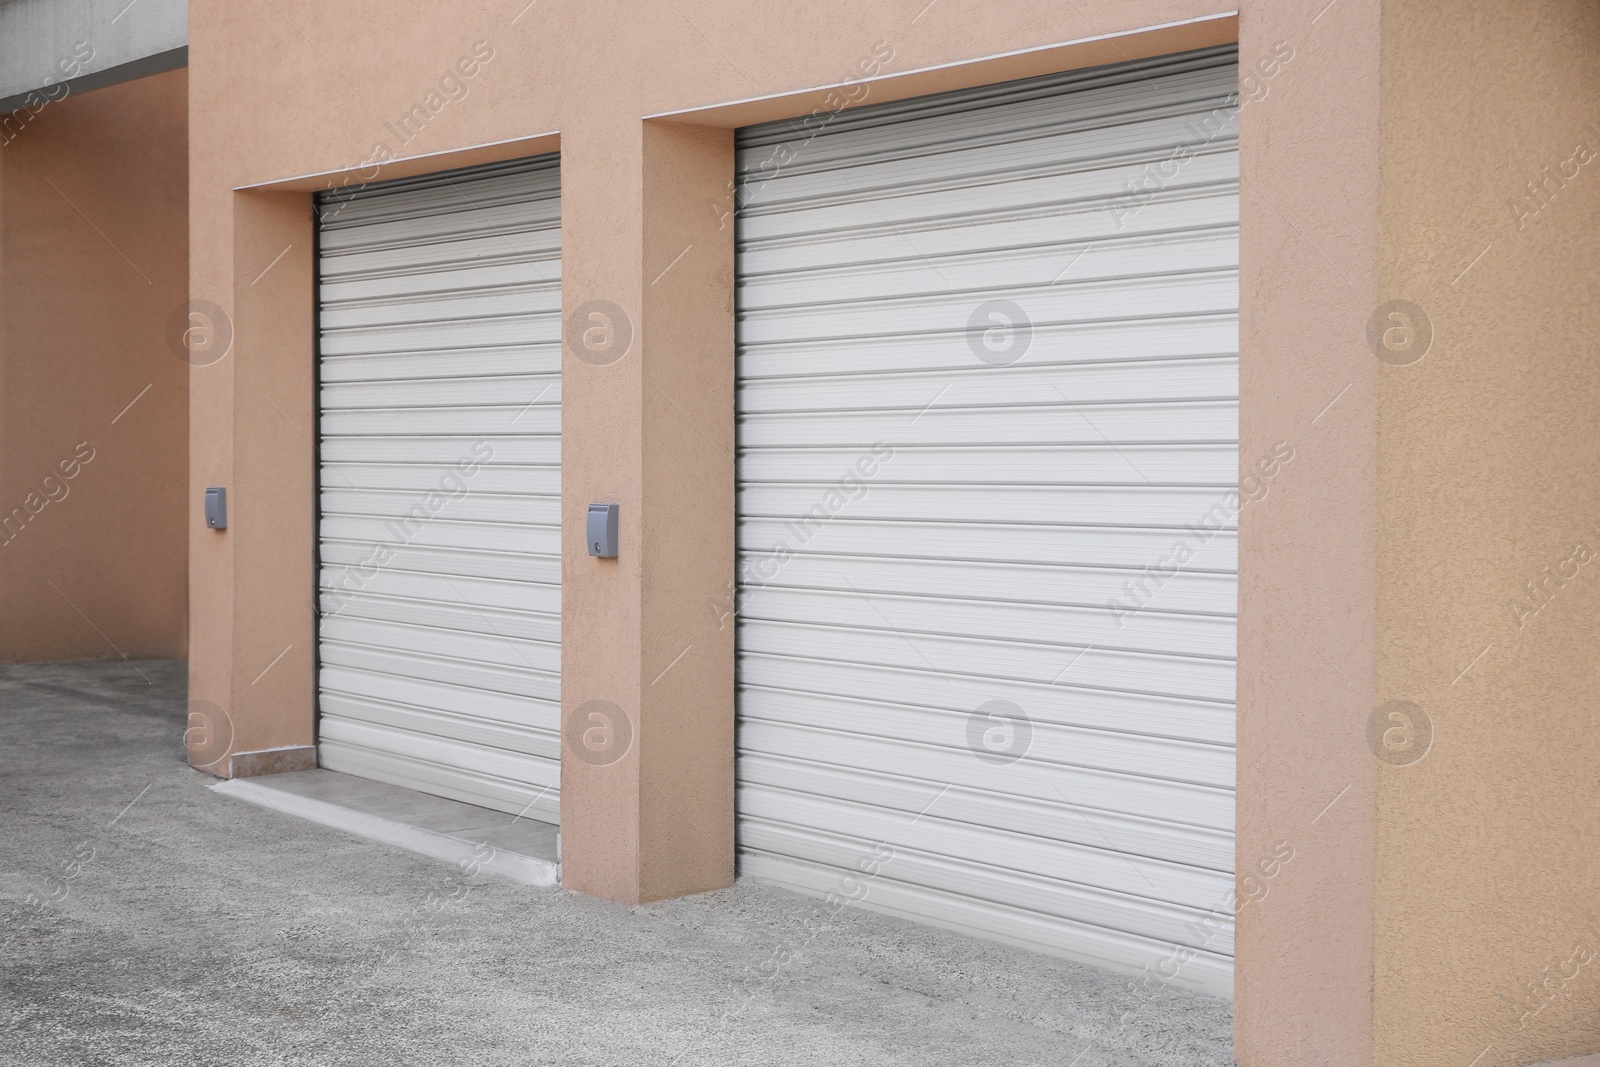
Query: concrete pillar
x=250 y=683
x=647 y=422
x=1307 y=537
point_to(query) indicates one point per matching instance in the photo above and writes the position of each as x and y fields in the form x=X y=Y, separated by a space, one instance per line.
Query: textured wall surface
x=93 y=401
x=1485 y=936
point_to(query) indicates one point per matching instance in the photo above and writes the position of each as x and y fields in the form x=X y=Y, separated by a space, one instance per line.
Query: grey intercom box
x=603 y=530
x=217 y=507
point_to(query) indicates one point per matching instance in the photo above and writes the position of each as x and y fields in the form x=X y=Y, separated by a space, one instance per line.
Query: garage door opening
x=439 y=598
x=988 y=452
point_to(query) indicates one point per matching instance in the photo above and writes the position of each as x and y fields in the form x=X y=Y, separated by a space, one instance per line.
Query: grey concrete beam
x=50 y=48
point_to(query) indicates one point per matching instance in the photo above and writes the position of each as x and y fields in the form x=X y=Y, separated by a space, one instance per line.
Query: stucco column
x=253 y=426
x=1307 y=534
x=647 y=423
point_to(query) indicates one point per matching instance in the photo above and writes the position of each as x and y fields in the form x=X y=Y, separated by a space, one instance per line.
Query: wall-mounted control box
x=217 y=507
x=603 y=530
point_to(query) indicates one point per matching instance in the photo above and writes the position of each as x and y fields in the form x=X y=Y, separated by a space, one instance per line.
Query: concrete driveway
x=149 y=920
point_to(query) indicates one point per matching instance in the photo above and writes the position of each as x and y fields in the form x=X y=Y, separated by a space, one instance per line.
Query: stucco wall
x=290 y=98
x=93 y=265
x=1488 y=450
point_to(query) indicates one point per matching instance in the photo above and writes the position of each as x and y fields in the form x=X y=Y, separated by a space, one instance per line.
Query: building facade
x=1114 y=478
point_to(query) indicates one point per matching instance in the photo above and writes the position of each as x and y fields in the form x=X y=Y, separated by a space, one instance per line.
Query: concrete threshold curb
x=466 y=854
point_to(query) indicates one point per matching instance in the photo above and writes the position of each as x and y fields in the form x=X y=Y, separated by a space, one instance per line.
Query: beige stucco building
x=1252 y=519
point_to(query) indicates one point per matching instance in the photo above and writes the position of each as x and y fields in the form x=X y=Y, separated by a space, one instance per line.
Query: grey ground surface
x=191 y=928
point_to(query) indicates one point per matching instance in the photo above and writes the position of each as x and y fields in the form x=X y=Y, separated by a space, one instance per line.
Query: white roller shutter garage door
x=440 y=484
x=988 y=461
